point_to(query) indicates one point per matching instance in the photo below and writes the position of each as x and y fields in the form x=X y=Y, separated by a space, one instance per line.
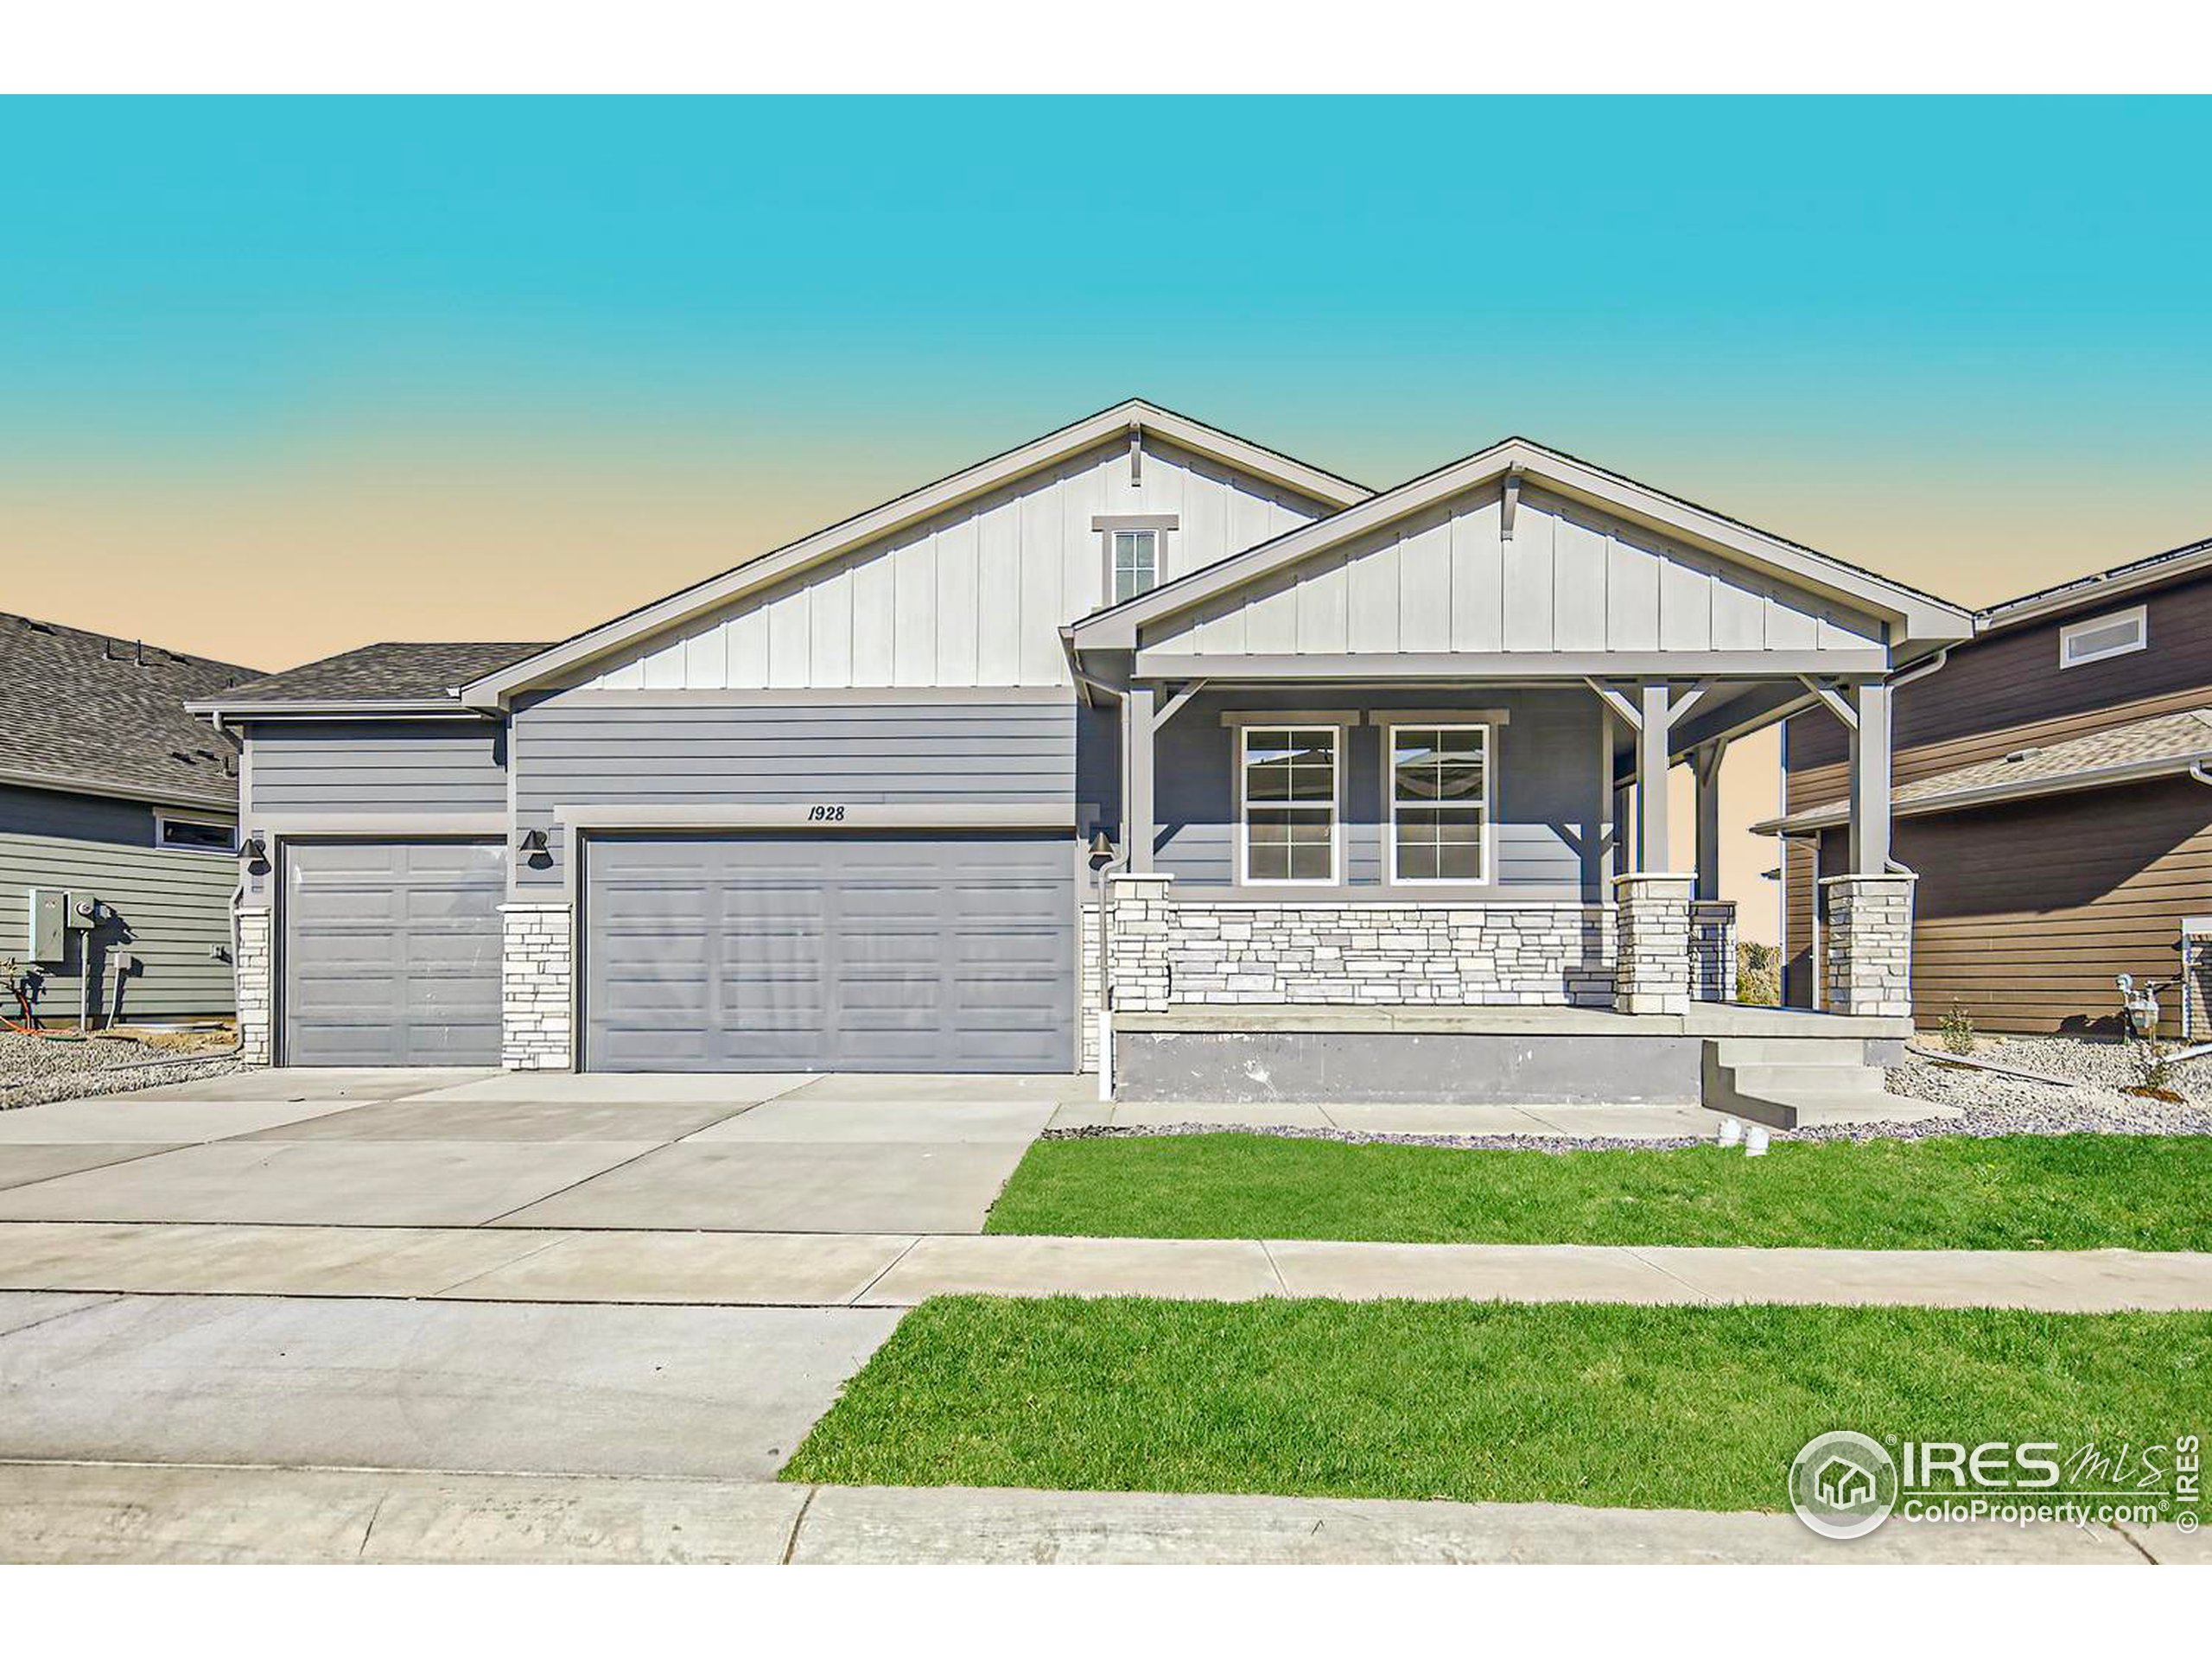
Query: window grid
x=1439 y=803
x=1136 y=563
x=1289 y=779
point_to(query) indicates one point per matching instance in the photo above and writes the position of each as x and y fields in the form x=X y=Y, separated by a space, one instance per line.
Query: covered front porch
x=1393 y=803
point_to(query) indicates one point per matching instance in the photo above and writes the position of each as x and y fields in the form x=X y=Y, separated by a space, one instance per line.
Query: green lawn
x=1596 y=1404
x=2021 y=1192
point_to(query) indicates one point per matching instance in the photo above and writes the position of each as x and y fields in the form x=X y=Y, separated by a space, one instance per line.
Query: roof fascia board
x=54 y=784
x=491 y=691
x=1920 y=618
x=2066 y=783
x=334 y=708
x=2091 y=592
x=1864 y=663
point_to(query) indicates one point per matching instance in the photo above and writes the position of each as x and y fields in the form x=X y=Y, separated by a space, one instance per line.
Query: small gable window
x=2112 y=635
x=1136 y=563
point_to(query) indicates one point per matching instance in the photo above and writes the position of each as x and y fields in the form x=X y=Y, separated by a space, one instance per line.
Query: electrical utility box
x=49 y=909
x=81 y=914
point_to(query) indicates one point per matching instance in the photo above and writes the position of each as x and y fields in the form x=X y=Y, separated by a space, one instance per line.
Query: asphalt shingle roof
x=103 y=715
x=394 y=672
x=2171 y=742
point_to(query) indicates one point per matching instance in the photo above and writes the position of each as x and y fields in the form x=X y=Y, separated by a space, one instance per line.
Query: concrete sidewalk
x=888 y=1270
x=65 y=1512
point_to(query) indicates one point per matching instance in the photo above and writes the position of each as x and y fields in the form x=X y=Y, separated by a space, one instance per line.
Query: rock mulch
x=1989 y=1104
x=37 y=1069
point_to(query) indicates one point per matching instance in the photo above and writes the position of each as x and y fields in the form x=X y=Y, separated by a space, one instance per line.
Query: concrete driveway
x=409 y=1148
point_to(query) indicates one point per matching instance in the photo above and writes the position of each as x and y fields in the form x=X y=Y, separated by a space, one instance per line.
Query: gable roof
x=1924 y=617
x=98 y=716
x=2164 y=746
x=395 y=676
x=1132 y=415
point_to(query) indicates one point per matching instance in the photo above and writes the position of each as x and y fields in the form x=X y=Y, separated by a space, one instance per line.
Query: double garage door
x=842 y=951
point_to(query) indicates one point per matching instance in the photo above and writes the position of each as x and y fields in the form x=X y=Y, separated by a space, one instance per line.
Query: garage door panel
x=391 y=953
x=887 y=952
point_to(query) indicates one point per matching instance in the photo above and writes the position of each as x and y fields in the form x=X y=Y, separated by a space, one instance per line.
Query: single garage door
x=391 y=952
x=830 y=952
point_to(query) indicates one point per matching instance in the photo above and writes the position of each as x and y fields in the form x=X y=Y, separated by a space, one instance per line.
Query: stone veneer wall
x=1869 y=944
x=1448 y=955
x=1087 y=977
x=254 y=971
x=1652 y=954
x=1713 y=949
x=536 y=988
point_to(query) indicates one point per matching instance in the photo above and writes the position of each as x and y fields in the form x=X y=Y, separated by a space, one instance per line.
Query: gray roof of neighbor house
x=2162 y=747
x=99 y=715
x=397 y=675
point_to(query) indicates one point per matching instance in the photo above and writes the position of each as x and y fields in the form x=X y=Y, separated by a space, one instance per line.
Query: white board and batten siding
x=975 y=596
x=1569 y=579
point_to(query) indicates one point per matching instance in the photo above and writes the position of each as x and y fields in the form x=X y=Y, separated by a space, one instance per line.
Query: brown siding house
x=2046 y=791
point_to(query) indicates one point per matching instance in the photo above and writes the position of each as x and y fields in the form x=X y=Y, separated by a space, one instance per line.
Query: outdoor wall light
x=1101 y=850
x=531 y=843
x=255 y=850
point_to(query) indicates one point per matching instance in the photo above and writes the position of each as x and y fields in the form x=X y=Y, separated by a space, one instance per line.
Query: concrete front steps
x=1792 y=1082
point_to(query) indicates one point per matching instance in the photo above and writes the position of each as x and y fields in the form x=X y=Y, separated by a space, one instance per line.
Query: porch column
x=1713 y=919
x=1869 y=907
x=1139 y=723
x=1651 y=903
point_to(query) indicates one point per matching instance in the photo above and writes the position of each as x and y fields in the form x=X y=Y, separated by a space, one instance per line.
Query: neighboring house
x=2051 y=796
x=111 y=793
x=1346 y=755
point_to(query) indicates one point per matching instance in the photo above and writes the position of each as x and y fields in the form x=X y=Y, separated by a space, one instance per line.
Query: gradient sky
x=279 y=377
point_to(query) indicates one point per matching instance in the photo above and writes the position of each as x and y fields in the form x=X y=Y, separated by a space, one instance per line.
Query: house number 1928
x=825 y=815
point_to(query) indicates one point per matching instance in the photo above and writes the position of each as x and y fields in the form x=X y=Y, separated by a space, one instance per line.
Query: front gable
x=1568 y=579
x=1521 y=560
x=965 y=582
x=976 y=595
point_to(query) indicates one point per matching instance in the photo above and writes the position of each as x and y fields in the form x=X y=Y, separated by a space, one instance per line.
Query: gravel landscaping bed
x=35 y=1069
x=1990 y=1104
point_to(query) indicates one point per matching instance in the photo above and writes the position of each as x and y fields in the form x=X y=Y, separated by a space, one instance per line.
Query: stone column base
x=253 y=975
x=1651 y=961
x=1869 y=938
x=1137 y=935
x=536 y=988
x=1713 y=949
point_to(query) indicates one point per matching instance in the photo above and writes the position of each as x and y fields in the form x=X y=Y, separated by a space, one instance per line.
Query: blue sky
x=1916 y=332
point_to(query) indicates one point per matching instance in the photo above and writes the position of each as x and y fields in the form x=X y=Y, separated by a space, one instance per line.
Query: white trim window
x=2114 y=634
x=1287 y=813
x=1439 y=803
x=1134 y=561
x=178 y=835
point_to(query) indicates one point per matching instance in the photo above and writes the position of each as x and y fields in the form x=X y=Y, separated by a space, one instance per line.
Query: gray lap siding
x=1549 y=806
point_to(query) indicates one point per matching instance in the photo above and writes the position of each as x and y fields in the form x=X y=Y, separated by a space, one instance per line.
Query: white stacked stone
x=1651 y=956
x=1139 y=939
x=253 y=973
x=1511 y=954
x=1713 y=949
x=1869 y=942
x=1087 y=975
x=536 y=988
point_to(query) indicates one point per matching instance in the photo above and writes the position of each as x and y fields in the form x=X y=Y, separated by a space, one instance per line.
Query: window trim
x=164 y=820
x=1390 y=802
x=2138 y=614
x=1339 y=745
x=1158 y=525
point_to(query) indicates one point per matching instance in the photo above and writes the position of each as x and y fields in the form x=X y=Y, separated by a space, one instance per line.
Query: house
x=118 y=810
x=1349 y=776
x=2050 y=797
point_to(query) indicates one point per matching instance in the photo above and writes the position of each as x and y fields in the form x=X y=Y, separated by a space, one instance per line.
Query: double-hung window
x=1136 y=563
x=1290 y=803
x=1440 y=802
